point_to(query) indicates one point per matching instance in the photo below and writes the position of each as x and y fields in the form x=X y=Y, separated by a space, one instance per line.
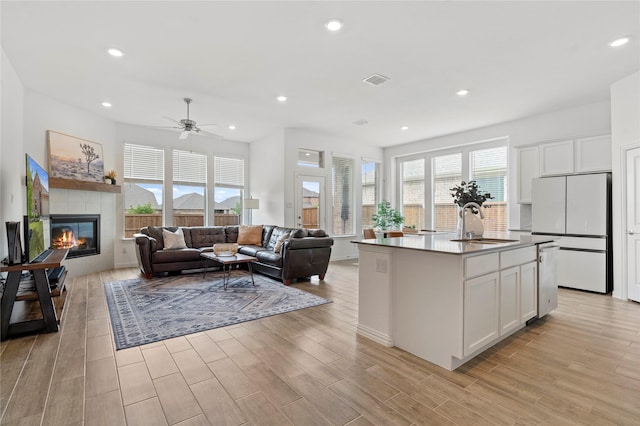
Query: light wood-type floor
x=580 y=365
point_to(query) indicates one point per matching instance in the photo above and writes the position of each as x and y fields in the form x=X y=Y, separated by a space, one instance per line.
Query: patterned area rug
x=145 y=311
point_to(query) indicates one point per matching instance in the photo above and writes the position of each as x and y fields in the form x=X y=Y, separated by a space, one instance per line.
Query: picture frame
x=74 y=158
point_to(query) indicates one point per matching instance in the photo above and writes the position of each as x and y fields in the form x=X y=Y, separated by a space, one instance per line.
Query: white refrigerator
x=577 y=209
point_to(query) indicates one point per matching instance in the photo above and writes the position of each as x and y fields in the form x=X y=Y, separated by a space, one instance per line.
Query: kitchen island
x=445 y=300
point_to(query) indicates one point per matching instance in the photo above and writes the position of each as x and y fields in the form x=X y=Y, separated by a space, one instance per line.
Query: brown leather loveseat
x=301 y=253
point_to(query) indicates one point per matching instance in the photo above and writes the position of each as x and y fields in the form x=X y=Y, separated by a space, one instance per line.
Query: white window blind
x=143 y=162
x=489 y=170
x=229 y=171
x=189 y=167
x=447 y=174
x=343 y=169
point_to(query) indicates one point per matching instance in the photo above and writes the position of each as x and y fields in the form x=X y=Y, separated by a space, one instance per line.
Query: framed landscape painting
x=74 y=158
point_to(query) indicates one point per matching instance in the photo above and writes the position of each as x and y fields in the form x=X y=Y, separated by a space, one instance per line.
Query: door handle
x=630 y=232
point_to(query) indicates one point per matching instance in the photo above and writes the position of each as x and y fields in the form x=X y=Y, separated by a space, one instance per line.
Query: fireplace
x=80 y=233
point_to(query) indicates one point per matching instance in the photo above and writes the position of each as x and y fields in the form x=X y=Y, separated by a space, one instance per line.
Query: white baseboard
x=374 y=335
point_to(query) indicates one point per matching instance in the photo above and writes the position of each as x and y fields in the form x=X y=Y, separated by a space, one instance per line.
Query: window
x=228 y=190
x=342 y=213
x=484 y=162
x=310 y=158
x=447 y=172
x=413 y=192
x=143 y=186
x=189 y=188
x=370 y=195
x=489 y=170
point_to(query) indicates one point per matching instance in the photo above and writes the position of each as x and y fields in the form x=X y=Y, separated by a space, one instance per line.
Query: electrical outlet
x=381 y=265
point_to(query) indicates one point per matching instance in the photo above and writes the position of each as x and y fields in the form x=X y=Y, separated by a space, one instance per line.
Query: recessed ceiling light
x=106 y=104
x=334 y=24
x=281 y=98
x=232 y=127
x=619 y=42
x=404 y=128
x=462 y=92
x=115 y=52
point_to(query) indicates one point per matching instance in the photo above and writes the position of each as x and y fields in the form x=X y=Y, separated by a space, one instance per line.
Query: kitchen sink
x=484 y=241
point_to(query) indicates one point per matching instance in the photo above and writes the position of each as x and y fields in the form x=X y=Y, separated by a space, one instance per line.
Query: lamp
x=251 y=204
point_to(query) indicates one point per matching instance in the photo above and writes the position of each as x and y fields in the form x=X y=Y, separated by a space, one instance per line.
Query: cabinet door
x=593 y=154
x=509 y=299
x=527 y=169
x=528 y=291
x=556 y=158
x=481 y=311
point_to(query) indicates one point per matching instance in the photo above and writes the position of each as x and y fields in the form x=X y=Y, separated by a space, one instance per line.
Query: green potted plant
x=386 y=217
x=468 y=192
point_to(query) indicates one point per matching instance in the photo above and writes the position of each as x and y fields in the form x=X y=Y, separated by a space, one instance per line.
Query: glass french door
x=310 y=209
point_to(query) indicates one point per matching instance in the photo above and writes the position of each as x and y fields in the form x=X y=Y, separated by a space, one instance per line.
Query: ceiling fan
x=186 y=125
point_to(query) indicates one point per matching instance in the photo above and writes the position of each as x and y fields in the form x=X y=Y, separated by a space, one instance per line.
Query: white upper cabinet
x=527 y=169
x=593 y=154
x=556 y=158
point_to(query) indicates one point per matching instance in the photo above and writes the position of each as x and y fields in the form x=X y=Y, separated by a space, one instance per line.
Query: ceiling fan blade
x=208 y=125
x=171 y=119
x=184 y=135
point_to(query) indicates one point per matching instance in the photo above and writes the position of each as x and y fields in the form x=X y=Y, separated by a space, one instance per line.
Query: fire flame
x=67 y=241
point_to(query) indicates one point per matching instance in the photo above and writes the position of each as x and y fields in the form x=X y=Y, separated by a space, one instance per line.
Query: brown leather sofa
x=305 y=253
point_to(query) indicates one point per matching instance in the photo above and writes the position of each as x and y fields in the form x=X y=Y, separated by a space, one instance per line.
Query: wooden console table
x=49 y=320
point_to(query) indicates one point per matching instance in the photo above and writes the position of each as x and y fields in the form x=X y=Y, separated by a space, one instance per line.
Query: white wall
x=585 y=120
x=296 y=139
x=12 y=160
x=42 y=113
x=625 y=134
x=267 y=177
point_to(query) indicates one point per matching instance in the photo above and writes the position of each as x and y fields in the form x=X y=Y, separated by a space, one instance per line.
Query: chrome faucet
x=464 y=218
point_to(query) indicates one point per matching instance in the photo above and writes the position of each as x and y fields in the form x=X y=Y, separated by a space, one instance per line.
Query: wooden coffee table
x=227 y=262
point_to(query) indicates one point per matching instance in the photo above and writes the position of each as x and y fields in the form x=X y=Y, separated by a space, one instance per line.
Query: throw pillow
x=250 y=235
x=280 y=243
x=173 y=240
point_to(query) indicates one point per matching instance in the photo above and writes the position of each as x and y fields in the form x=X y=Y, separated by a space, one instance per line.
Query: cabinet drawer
x=517 y=257
x=480 y=265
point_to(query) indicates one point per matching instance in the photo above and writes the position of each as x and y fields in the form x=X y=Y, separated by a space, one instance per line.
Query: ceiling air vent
x=376 y=79
x=360 y=122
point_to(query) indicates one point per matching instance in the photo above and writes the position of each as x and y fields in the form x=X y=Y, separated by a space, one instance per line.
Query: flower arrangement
x=469 y=192
x=111 y=175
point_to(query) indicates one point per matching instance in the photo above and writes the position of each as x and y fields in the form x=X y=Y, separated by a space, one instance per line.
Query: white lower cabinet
x=481 y=311
x=509 y=299
x=497 y=303
x=528 y=291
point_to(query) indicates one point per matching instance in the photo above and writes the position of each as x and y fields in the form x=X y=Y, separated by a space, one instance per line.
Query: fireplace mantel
x=85 y=186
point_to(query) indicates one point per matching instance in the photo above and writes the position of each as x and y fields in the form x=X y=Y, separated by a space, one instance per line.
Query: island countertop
x=443 y=242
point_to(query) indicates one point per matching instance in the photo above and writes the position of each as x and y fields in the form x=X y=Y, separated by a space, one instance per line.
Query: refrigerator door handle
x=630 y=232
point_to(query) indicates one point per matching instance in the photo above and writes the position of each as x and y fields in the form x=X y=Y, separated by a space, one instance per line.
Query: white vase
x=473 y=224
